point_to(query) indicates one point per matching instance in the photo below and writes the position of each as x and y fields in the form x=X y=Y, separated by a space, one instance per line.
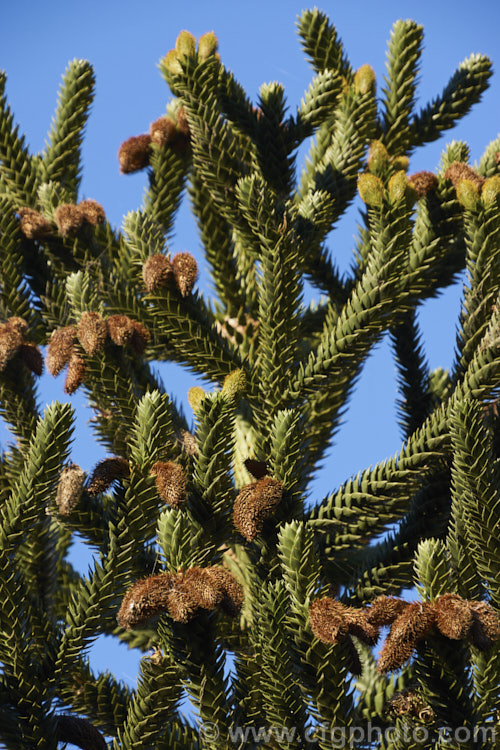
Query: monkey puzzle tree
x=261 y=606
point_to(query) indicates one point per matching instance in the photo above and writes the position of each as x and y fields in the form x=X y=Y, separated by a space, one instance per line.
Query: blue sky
x=124 y=41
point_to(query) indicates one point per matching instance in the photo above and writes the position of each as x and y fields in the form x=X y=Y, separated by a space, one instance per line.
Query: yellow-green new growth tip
x=490 y=190
x=185 y=44
x=468 y=194
x=235 y=384
x=371 y=189
x=171 y=62
x=399 y=189
x=364 y=80
x=378 y=157
x=207 y=45
x=195 y=397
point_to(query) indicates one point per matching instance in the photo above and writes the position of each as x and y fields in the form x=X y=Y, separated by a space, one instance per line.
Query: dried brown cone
x=200 y=587
x=140 y=337
x=157 y=272
x=11 y=340
x=106 y=472
x=32 y=357
x=79 y=732
x=453 y=616
x=384 y=610
x=120 y=329
x=394 y=654
x=69 y=219
x=170 y=482
x=409 y=702
x=485 y=628
x=92 y=211
x=413 y=624
x=163 y=131
x=60 y=349
x=34 y=226
x=185 y=272
x=92 y=332
x=69 y=488
x=232 y=591
x=134 y=153
x=423 y=182
x=144 y=599
x=254 y=504
x=77 y=369
x=361 y=628
x=329 y=619
x=460 y=171
x=179 y=604
x=18 y=326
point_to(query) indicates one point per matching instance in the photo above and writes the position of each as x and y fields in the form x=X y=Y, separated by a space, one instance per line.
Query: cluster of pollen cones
x=456 y=618
x=135 y=153
x=182 y=595
x=69 y=218
x=14 y=345
x=158 y=271
x=90 y=336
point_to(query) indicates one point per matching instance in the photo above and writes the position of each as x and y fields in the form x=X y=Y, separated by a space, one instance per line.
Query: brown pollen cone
x=75 y=376
x=60 y=349
x=92 y=212
x=254 y=504
x=79 y=732
x=485 y=629
x=170 y=483
x=11 y=340
x=453 y=616
x=144 y=599
x=120 y=329
x=92 y=332
x=69 y=219
x=361 y=628
x=329 y=619
x=163 y=131
x=17 y=325
x=181 y=594
x=461 y=171
x=34 y=226
x=185 y=272
x=134 y=153
x=32 y=357
x=231 y=591
x=69 y=488
x=384 y=610
x=393 y=655
x=423 y=182
x=157 y=271
x=200 y=587
x=106 y=472
x=413 y=624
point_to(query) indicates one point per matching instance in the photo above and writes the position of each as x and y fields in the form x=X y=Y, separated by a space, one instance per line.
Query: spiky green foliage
x=225 y=493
